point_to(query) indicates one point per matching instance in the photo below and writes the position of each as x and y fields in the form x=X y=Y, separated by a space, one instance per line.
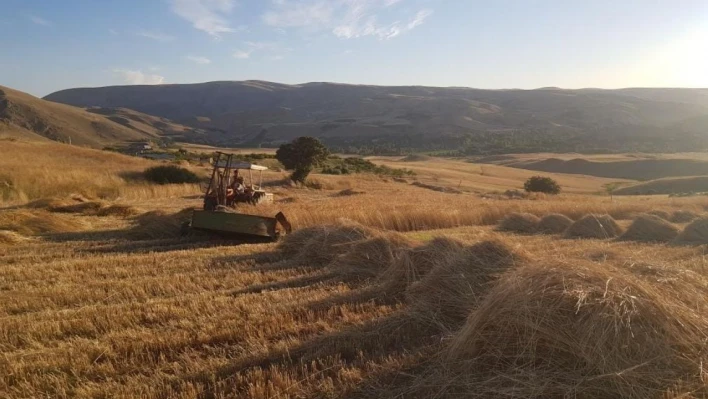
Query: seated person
x=236 y=191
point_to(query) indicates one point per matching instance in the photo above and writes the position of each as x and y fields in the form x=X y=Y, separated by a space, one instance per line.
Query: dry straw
x=317 y=246
x=460 y=280
x=554 y=223
x=578 y=330
x=11 y=237
x=695 y=232
x=650 y=228
x=661 y=214
x=594 y=226
x=683 y=216
x=525 y=223
x=39 y=221
x=159 y=224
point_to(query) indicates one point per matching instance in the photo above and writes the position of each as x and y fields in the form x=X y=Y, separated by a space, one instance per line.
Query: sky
x=49 y=45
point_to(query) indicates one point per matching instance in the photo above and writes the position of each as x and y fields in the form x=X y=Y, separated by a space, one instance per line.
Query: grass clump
x=170 y=174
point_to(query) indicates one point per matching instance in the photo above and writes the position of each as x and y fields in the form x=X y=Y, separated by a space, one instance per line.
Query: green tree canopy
x=542 y=184
x=301 y=156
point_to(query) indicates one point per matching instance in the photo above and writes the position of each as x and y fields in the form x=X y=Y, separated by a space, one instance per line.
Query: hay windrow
x=577 y=330
x=317 y=246
x=11 y=237
x=159 y=224
x=683 y=217
x=650 y=228
x=525 y=223
x=554 y=223
x=594 y=226
x=372 y=257
x=695 y=233
x=118 y=210
x=661 y=214
x=457 y=283
x=86 y=208
x=29 y=222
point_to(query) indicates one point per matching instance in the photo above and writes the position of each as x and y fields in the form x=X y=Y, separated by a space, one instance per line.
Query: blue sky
x=48 y=45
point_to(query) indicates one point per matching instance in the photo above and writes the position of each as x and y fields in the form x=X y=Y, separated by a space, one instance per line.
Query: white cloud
x=345 y=18
x=158 y=36
x=39 y=21
x=113 y=32
x=242 y=55
x=294 y=14
x=273 y=50
x=199 y=60
x=134 y=77
x=205 y=15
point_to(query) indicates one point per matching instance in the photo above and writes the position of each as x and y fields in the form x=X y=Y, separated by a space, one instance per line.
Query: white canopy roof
x=243 y=165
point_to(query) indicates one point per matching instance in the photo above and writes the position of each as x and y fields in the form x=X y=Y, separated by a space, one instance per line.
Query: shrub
x=541 y=184
x=167 y=174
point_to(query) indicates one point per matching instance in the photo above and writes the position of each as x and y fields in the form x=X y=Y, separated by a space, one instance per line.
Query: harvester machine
x=226 y=190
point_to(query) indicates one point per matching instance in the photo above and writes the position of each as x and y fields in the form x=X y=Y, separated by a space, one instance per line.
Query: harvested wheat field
x=414 y=298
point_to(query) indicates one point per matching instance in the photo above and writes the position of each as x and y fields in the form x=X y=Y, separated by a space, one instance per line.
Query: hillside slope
x=482 y=121
x=634 y=169
x=22 y=115
x=144 y=123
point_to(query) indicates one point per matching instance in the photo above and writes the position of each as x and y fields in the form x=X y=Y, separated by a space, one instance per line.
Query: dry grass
x=554 y=224
x=580 y=330
x=683 y=216
x=695 y=233
x=34 y=221
x=93 y=174
x=459 y=279
x=11 y=237
x=650 y=228
x=525 y=223
x=594 y=226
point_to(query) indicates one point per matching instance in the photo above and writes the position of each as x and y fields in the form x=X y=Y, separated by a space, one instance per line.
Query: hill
x=633 y=167
x=471 y=121
x=147 y=124
x=23 y=115
x=697 y=184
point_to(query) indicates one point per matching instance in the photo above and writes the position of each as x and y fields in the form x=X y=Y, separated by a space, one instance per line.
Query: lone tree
x=301 y=156
x=541 y=184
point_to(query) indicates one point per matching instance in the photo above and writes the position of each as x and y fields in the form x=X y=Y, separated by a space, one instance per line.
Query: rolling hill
x=25 y=116
x=389 y=118
x=28 y=117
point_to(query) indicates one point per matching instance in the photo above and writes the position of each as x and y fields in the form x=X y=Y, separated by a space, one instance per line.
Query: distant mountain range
x=401 y=118
x=257 y=112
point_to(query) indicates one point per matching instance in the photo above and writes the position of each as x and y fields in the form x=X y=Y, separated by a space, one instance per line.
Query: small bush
x=540 y=184
x=170 y=174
